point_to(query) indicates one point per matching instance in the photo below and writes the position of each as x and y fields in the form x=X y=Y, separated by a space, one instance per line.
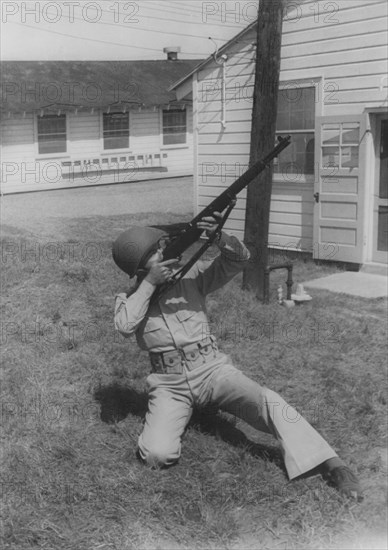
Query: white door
x=339 y=189
x=380 y=210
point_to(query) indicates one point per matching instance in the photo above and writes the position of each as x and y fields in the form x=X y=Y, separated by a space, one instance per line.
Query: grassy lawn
x=73 y=402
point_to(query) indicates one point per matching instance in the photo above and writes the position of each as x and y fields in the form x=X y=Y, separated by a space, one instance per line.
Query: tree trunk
x=265 y=96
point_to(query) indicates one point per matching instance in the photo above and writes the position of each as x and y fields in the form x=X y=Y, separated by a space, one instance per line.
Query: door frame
x=334 y=251
x=378 y=256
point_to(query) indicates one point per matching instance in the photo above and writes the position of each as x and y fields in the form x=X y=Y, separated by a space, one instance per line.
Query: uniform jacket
x=179 y=317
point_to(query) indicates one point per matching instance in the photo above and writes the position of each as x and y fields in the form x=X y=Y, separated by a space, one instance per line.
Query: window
x=296 y=117
x=174 y=126
x=51 y=134
x=340 y=145
x=116 y=130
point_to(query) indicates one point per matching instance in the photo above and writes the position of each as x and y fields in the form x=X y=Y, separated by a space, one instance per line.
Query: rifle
x=189 y=234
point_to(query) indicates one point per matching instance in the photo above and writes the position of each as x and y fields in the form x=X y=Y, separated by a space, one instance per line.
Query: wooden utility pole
x=265 y=98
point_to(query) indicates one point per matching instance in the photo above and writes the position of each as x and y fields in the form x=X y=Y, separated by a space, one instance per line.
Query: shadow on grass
x=117 y=402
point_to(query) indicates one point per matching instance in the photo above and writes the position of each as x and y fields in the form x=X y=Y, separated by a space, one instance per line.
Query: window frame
x=118 y=149
x=318 y=111
x=173 y=145
x=62 y=154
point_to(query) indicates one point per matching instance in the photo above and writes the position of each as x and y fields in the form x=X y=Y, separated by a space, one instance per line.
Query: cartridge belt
x=191 y=356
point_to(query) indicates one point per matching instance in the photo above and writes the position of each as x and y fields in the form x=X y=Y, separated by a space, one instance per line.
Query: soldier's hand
x=210 y=223
x=160 y=272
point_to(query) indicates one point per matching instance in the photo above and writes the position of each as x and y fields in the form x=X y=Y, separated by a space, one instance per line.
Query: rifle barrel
x=191 y=233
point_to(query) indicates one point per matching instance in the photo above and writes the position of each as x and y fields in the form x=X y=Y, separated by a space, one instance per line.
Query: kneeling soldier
x=189 y=370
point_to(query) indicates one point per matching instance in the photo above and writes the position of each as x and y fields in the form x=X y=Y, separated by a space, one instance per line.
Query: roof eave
x=211 y=57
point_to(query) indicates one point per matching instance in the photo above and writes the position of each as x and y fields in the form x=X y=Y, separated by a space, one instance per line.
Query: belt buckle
x=157 y=363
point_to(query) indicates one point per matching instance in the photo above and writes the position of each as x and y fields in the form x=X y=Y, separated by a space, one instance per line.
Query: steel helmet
x=132 y=249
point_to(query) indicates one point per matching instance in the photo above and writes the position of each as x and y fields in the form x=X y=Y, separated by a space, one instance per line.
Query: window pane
x=296 y=120
x=309 y=119
x=51 y=123
x=116 y=142
x=116 y=130
x=171 y=139
x=116 y=121
x=52 y=146
x=114 y=133
x=174 y=126
x=52 y=134
x=298 y=158
x=349 y=157
x=331 y=134
x=330 y=156
x=296 y=114
x=296 y=109
x=283 y=121
x=309 y=99
x=50 y=137
x=350 y=135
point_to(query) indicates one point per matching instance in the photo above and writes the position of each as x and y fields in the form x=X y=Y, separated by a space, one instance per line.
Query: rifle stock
x=190 y=234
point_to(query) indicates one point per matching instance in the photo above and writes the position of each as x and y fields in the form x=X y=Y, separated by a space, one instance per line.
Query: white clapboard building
x=77 y=123
x=330 y=187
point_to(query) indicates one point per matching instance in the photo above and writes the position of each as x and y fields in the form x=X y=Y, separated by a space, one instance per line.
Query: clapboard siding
x=343 y=97
x=217 y=159
x=243 y=113
x=18 y=165
x=306 y=18
x=320 y=60
x=235 y=126
x=240 y=138
x=352 y=70
x=212 y=188
x=145 y=130
x=236 y=100
x=291 y=215
x=345 y=43
x=349 y=29
x=364 y=82
x=84 y=135
x=17 y=132
x=342 y=49
x=227 y=149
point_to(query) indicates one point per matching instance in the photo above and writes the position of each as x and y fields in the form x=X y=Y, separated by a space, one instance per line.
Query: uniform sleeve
x=131 y=310
x=233 y=258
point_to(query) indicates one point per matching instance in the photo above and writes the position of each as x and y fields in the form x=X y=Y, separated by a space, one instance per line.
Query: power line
x=170 y=20
x=96 y=40
x=137 y=28
x=189 y=10
x=176 y=9
x=224 y=25
x=186 y=7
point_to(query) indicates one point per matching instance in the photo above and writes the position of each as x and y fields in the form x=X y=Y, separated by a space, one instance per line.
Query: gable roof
x=211 y=57
x=29 y=86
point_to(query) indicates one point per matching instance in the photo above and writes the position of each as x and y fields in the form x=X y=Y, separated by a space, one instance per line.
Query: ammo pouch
x=191 y=356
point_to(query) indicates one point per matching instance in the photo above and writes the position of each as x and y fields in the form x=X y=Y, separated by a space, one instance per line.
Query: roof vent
x=172 y=52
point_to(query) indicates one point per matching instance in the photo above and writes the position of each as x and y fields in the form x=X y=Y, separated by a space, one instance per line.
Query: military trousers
x=173 y=396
